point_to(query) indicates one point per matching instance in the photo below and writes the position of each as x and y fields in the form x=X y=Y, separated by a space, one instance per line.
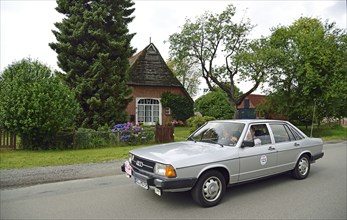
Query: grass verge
x=25 y=159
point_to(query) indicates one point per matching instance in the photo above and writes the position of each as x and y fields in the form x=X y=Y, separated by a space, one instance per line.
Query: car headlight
x=164 y=170
x=131 y=157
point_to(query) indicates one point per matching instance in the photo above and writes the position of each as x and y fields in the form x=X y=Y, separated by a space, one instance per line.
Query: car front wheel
x=209 y=189
x=302 y=168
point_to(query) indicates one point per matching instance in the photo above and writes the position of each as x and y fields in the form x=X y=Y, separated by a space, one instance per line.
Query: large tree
x=224 y=52
x=187 y=72
x=93 y=47
x=312 y=74
x=34 y=103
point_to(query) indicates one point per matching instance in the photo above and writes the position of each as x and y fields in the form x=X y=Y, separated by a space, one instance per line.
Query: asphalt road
x=321 y=196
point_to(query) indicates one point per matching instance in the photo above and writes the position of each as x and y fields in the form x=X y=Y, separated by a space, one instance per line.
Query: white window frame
x=137 y=110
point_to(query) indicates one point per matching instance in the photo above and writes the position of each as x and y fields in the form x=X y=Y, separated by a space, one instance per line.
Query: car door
x=287 y=144
x=259 y=160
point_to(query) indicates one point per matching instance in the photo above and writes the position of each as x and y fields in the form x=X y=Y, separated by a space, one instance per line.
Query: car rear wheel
x=302 y=168
x=209 y=189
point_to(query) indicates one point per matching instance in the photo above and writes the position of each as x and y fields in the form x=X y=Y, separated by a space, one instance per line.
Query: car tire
x=302 y=168
x=209 y=189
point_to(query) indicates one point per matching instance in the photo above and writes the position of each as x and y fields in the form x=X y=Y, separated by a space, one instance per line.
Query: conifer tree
x=93 y=47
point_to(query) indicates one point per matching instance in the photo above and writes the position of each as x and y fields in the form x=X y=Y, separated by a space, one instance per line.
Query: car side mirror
x=248 y=143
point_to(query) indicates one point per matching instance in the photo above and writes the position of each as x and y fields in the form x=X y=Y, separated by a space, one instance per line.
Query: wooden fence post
x=7 y=139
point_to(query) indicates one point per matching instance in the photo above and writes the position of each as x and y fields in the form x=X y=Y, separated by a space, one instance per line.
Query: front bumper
x=162 y=183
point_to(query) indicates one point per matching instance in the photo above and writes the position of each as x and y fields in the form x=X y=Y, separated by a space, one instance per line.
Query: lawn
x=24 y=159
x=10 y=159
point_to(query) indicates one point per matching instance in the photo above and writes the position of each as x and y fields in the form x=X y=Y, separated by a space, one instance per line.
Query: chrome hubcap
x=211 y=189
x=303 y=166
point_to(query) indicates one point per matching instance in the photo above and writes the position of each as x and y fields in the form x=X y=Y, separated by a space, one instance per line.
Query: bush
x=181 y=107
x=215 y=104
x=133 y=134
x=197 y=121
x=63 y=140
x=86 y=138
x=121 y=134
x=34 y=103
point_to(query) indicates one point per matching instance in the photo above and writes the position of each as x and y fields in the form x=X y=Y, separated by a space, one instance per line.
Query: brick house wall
x=151 y=92
x=247 y=109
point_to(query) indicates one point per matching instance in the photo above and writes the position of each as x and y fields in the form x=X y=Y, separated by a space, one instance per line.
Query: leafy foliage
x=93 y=47
x=214 y=36
x=133 y=134
x=197 y=121
x=215 y=104
x=187 y=72
x=181 y=107
x=120 y=135
x=311 y=75
x=34 y=103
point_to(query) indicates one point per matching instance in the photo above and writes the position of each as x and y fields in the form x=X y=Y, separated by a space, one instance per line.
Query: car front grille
x=143 y=164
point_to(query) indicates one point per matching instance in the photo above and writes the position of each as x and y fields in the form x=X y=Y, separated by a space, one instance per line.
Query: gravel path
x=14 y=178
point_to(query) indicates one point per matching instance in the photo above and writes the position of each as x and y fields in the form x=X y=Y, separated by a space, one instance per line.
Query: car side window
x=297 y=135
x=290 y=134
x=280 y=133
x=259 y=133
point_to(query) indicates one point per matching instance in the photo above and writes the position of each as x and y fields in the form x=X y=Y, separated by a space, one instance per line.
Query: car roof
x=248 y=121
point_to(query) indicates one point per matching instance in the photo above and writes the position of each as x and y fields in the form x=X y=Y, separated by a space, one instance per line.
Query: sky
x=26 y=26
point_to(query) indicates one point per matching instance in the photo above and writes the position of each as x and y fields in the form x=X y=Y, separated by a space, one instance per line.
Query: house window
x=167 y=111
x=148 y=111
x=246 y=102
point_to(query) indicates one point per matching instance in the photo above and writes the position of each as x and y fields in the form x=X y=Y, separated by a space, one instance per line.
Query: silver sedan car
x=222 y=153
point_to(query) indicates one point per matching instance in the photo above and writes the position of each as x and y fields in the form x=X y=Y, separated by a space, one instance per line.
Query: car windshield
x=223 y=133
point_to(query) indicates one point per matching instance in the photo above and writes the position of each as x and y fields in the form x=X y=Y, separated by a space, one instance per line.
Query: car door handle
x=296 y=144
x=271 y=148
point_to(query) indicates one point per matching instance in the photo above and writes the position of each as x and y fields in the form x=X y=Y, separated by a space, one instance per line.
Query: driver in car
x=251 y=136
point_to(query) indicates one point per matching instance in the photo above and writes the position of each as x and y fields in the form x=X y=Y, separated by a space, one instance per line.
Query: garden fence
x=7 y=139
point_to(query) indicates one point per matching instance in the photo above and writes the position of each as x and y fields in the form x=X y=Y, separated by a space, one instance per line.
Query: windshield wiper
x=191 y=139
x=213 y=142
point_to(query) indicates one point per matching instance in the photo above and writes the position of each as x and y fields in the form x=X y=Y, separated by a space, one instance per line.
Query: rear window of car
x=294 y=132
x=280 y=133
x=284 y=133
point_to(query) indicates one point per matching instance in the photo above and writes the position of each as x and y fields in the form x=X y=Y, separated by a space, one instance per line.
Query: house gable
x=147 y=68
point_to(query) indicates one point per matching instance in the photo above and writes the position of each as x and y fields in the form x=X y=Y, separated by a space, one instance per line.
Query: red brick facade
x=151 y=92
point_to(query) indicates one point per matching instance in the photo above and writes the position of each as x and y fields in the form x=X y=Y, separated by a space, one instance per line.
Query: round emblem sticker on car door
x=263 y=159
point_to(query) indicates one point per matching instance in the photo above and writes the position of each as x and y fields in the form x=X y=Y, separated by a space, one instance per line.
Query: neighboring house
x=149 y=78
x=247 y=107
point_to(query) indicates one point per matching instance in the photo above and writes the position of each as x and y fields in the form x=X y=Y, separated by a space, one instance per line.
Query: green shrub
x=133 y=134
x=197 y=121
x=181 y=107
x=34 y=103
x=215 y=104
x=120 y=135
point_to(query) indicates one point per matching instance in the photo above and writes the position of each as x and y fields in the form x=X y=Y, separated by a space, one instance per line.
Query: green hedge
x=85 y=138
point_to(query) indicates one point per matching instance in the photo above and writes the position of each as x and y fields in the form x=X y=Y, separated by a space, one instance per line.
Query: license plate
x=141 y=183
x=127 y=168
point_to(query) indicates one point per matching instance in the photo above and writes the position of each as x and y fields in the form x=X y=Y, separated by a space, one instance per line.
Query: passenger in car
x=229 y=137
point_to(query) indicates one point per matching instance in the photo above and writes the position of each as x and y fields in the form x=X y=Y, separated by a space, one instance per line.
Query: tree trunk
x=236 y=113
